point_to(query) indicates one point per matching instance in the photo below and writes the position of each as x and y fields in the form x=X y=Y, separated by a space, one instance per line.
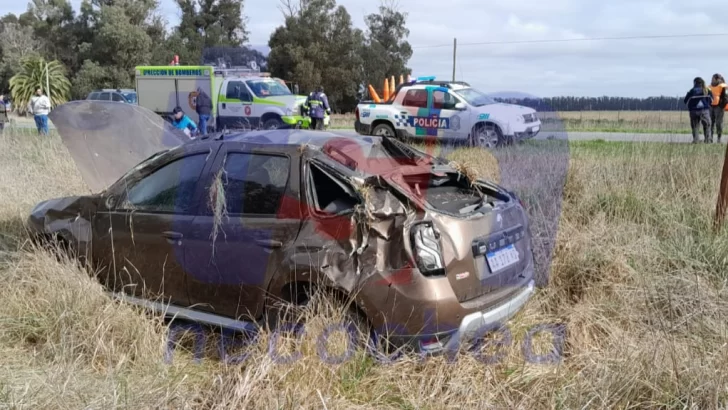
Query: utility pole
x=454 y=56
x=722 y=204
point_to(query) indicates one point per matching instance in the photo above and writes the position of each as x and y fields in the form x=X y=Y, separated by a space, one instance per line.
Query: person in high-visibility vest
x=718 y=105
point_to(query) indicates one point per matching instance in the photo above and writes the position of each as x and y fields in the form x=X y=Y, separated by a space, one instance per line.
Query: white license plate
x=502 y=258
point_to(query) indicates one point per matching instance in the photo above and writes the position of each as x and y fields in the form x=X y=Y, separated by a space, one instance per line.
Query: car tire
x=384 y=130
x=272 y=124
x=488 y=136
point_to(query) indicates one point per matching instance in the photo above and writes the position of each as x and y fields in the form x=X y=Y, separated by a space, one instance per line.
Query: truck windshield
x=475 y=97
x=268 y=88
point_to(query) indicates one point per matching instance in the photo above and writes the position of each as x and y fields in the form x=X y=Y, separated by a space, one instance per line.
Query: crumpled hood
x=67 y=216
x=106 y=139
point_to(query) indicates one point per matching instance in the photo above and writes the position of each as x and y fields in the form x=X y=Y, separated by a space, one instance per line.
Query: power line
x=567 y=40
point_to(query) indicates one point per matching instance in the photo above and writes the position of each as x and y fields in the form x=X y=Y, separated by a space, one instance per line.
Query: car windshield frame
x=474 y=97
x=273 y=86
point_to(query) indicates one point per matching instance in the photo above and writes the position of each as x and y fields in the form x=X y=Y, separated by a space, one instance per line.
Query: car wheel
x=384 y=130
x=272 y=124
x=487 y=136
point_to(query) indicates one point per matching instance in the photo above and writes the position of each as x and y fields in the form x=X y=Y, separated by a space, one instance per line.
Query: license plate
x=502 y=258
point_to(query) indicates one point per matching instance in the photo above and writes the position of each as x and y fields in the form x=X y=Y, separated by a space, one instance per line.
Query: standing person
x=698 y=100
x=183 y=122
x=204 y=109
x=3 y=113
x=317 y=106
x=40 y=106
x=720 y=100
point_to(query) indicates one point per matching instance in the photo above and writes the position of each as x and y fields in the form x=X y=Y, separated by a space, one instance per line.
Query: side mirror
x=460 y=106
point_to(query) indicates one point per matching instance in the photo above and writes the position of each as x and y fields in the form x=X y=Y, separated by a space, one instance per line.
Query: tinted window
x=168 y=189
x=254 y=183
x=117 y=97
x=443 y=101
x=105 y=96
x=93 y=96
x=415 y=98
x=236 y=90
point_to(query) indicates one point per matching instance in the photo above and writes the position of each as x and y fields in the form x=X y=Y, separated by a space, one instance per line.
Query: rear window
x=93 y=96
x=415 y=98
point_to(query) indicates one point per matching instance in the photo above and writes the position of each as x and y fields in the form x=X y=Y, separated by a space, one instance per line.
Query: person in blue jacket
x=317 y=106
x=183 y=122
x=698 y=100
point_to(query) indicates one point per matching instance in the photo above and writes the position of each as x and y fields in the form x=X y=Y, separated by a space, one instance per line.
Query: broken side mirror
x=460 y=106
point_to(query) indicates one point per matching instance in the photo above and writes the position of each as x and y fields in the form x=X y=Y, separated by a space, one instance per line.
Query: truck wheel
x=272 y=124
x=487 y=136
x=383 y=130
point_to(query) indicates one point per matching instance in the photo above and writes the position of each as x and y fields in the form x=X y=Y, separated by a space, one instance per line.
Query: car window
x=93 y=96
x=117 y=97
x=443 y=101
x=415 y=98
x=168 y=189
x=254 y=183
x=236 y=91
x=105 y=96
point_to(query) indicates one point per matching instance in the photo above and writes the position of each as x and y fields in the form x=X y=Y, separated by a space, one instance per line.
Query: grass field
x=593 y=121
x=638 y=279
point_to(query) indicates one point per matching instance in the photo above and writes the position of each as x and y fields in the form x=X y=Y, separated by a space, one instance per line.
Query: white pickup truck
x=449 y=111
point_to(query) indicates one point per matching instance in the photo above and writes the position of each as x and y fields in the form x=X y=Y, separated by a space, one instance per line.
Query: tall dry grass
x=638 y=280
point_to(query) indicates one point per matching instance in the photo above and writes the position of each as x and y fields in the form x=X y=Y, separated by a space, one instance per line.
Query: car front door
x=235 y=109
x=453 y=123
x=139 y=237
x=240 y=237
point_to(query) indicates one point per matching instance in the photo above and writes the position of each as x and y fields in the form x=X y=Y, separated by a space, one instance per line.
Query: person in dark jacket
x=720 y=100
x=317 y=106
x=204 y=109
x=698 y=100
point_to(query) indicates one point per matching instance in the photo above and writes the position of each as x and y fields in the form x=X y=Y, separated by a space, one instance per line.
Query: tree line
x=662 y=103
x=99 y=46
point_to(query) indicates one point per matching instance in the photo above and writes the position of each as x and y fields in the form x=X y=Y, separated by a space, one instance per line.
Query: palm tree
x=37 y=72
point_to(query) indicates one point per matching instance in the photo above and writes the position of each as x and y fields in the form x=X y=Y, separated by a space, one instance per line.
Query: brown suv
x=219 y=227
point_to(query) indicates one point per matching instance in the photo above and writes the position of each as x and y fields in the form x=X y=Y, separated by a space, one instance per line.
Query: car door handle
x=269 y=243
x=172 y=235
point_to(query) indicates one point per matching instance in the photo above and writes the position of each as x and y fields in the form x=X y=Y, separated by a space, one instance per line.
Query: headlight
x=426 y=247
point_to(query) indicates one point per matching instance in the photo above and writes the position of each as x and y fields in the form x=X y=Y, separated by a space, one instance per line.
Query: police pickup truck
x=446 y=110
x=240 y=100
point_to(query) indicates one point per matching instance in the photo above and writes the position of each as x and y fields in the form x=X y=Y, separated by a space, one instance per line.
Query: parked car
x=128 y=96
x=425 y=254
x=447 y=110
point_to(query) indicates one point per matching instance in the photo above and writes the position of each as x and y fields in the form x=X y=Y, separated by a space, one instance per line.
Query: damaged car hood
x=106 y=139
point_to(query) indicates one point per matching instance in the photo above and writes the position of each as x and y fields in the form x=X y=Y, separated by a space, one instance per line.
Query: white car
x=447 y=110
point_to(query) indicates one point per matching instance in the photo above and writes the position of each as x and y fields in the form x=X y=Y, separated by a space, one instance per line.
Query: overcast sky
x=638 y=68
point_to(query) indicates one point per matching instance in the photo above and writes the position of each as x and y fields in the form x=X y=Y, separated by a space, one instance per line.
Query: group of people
x=707 y=107
x=316 y=106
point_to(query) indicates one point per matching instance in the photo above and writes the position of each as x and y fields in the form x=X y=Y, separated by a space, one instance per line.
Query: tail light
x=426 y=247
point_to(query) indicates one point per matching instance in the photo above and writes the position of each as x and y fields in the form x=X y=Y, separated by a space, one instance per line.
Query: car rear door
x=454 y=122
x=139 y=238
x=240 y=237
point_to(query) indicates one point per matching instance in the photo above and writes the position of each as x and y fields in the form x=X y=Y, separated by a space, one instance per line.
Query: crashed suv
x=215 y=229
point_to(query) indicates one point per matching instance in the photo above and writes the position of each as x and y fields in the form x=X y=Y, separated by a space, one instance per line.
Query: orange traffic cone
x=374 y=95
x=386 y=90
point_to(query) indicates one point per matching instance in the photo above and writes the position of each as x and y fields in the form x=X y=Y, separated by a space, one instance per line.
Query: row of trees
x=99 y=46
x=600 y=103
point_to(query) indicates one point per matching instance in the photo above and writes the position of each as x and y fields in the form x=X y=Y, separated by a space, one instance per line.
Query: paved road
x=571 y=136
